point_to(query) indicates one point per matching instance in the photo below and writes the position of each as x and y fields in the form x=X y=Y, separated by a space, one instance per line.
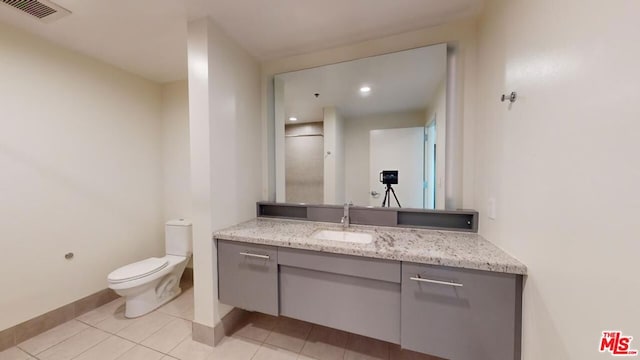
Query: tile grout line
x=173 y=348
x=261 y=343
x=298 y=353
x=156 y=350
x=58 y=343
x=305 y=341
x=174 y=315
x=94 y=326
x=132 y=322
x=173 y=318
x=98 y=343
x=167 y=354
x=129 y=340
x=126 y=327
x=306 y=338
x=162 y=327
x=76 y=316
x=255 y=352
x=140 y=343
x=83 y=330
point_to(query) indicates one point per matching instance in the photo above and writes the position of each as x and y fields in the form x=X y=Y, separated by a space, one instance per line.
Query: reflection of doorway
x=402 y=150
x=430 y=137
x=304 y=163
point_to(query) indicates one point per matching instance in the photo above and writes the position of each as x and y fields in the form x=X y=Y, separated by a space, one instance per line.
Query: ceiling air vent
x=44 y=10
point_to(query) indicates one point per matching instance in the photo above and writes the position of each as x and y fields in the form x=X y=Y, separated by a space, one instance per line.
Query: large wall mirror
x=364 y=129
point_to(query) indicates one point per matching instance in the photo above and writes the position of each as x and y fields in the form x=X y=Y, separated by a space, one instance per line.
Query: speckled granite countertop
x=447 y=248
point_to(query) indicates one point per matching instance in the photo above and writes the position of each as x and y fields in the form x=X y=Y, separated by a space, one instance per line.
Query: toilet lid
x=138 y=270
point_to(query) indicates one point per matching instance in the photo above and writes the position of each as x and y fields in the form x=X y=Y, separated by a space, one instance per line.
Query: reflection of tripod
x=387 y=197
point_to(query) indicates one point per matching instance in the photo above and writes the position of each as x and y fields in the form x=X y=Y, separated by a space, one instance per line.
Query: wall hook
x=511 y=97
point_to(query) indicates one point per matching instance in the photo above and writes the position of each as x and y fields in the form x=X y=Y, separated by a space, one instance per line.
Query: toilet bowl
x=150 y=283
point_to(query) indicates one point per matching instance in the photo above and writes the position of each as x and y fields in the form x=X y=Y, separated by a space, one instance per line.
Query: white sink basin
x=344 y=236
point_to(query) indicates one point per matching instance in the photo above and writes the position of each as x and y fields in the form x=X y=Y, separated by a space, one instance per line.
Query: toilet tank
x=177 y=237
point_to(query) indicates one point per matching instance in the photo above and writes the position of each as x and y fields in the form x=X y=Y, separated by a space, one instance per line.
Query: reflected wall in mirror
x=341 y=125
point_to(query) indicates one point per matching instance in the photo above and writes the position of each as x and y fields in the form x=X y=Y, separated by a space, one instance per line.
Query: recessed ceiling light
x=365 y=89
x=293 y=118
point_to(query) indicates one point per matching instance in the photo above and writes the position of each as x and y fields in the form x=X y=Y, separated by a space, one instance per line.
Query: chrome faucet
x=345 y=218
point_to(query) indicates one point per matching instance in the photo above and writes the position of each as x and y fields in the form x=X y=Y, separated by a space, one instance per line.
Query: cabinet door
x=358 y=305
x=248 y=276
x=460 y=314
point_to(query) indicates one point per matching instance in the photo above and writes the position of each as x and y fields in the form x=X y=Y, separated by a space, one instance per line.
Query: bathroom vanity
x=449 y=294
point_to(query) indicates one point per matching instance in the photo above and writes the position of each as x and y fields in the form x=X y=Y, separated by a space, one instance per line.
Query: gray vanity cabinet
x=460 y=314
x=452 y=313
x=248 y=276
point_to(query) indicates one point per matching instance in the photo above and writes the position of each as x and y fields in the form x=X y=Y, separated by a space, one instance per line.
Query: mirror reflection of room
x=348 y=124
x=304 y=146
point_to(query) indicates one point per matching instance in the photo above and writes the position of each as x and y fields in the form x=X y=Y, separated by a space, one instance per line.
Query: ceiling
x=401 y=81
x=149 y=37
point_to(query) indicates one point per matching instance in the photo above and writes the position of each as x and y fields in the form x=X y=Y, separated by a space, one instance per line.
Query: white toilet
x=148 y=284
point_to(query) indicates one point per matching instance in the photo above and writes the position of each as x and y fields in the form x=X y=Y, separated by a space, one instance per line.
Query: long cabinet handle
x=418 y=278
x=266 y=257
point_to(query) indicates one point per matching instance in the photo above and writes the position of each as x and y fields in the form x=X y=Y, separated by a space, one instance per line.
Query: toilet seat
x=137 y=270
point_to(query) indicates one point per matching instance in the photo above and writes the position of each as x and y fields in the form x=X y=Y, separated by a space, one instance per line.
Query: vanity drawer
x=248 y=276
x=361 y=306
x=377 y=269
x=460 y=314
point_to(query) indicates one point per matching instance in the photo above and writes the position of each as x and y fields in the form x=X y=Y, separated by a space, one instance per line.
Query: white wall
x=81 y=171
x=273 y=144
x=175 y=150
x=430 y=150
x=438 y=109
x=176 y=171
x=356 y=132
x=226 y=168
x=562 y=164
x=339 y=159
x=462 y=33
x=333 y=127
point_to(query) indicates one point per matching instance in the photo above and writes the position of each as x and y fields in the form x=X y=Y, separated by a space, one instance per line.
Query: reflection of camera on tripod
x=389 y=177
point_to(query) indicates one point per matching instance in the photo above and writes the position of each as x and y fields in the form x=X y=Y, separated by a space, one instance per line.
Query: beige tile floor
x=165 y=334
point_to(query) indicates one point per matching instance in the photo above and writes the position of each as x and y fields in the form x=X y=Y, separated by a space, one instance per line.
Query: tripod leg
x=385 y=197
x=394 y=195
